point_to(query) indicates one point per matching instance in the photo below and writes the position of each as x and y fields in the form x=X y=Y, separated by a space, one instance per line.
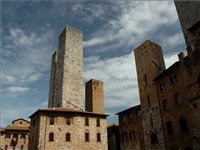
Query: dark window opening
x=130 y=135
x=15 y=135
x=165 y=105
x=51 y=137
x=177 y=98
x=68 y=121
x=133 y=135
x=68 y=137
x=126 y=137
x=145 y=79
x=6 y=147
x=22 y=147
x=98 y=137
x=152 y=122
x=154 y=138
x=87 y=137
x=87 y=121
x=98 y=122
x=20 y=122
x=51 y=120
x=183 y=124
x=169 y=128
x=148 y=100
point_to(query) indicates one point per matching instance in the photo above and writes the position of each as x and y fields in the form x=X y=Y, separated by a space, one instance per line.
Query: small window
x=20 y=122
x=133 y=135
x=154 y=138
x=183 y=124
x=126 y=137
x=169 y=128
x=68 y=121
x=51 y=137
x=165 y=105
x=87 y=137
x=22 y=147
x=177 y=98
x=22 y=136
x=6 y=147
x=68 y=137
x=98 y=122
x=87 y=121
x=145 y=79
x=98 y=137
x=148 y=100
x=130 y=135
x=51 y=120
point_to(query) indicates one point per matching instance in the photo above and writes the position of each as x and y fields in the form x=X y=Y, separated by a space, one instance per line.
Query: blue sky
x=112 y=29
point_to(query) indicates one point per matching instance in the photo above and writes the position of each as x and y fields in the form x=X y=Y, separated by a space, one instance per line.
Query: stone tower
x=66 y=81
x=149 y=64
x=94 y=96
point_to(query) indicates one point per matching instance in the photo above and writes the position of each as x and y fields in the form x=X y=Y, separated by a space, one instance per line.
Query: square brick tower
x=94 y=96
x=66 y=81
x=149 y=64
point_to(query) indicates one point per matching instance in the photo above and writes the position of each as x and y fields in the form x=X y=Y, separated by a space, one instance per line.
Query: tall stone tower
x=149 y=64
x=66 y=81
x=94 y=96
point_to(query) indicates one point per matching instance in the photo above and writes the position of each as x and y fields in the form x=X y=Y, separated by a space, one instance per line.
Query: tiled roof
x=13 y=127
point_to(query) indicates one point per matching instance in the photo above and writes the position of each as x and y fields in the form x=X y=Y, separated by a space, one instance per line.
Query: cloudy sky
x=112 y=29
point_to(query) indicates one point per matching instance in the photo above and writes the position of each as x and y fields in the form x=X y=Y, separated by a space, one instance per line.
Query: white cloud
x=16 y=89
x=135 y=21
x=118 y=75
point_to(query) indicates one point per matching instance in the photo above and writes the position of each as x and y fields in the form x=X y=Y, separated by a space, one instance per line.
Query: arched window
x=6 y=147
x=98 y=122
x=169 y=128
x=68 y=121
x=22 y=147
x=87 y=121
x=51 y=137
x=68 y=137
x=183 y=124
x=98 y=137
x=87 y=136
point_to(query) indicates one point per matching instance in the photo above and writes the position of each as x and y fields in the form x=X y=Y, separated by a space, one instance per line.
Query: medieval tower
x=94 y=96
x=66 y=81
x=149 y=64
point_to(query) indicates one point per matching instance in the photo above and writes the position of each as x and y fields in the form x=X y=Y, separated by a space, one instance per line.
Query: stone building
x=113 y=137
x=15 y=136
x=149 y=64
x=65 y=124
x=130 y=129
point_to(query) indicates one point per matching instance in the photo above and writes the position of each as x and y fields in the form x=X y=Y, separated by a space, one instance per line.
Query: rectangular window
x=7 y=135
x=23 y=136
x=87 y=138
x=145 y=79
x=51 y=122
x=148 y=100
x=68 y=121
x=98 y=137
x=173 y=79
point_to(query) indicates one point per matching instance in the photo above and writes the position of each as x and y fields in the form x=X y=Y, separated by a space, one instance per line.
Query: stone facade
x=113 y=137
x=131 y=129
x=94 y=96
x=75 y=123
x=66 y=82
x=15 y=136
x=65 y=125
x=188 y=12
x=149 y=64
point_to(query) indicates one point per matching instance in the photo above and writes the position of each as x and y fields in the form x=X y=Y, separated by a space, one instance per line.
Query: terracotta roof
x=13 y=127
x=67 y=111
x=20 y=119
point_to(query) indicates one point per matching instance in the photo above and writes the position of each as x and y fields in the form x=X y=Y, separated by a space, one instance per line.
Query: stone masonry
x=66 y=83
